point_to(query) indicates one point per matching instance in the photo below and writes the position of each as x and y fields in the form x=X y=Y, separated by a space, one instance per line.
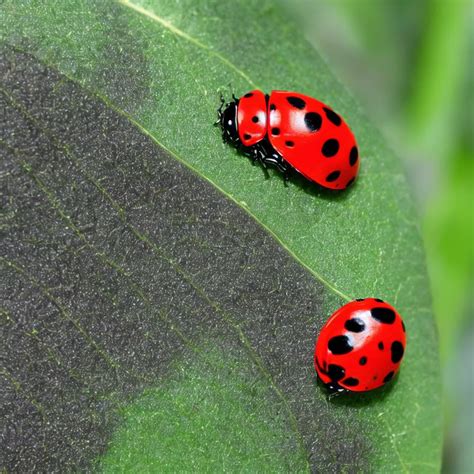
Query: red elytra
x=293 y=130
x=252 y=118
x=360 y=347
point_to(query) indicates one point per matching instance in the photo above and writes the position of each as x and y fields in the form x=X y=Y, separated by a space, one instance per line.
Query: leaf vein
x=182 y=34
x=63 y=312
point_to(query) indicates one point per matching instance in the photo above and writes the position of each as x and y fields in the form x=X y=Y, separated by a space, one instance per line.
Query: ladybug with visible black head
x=360 y=347
x=289 y=130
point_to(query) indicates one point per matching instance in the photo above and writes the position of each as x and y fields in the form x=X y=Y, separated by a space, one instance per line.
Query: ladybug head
x=228 y=122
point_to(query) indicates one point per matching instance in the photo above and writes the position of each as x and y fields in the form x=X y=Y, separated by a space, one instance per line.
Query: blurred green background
x=410 y=64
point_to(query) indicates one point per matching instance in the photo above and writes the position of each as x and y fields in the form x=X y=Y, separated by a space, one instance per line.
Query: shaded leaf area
x=180 y=426
x=163 y=64
x=117 y=261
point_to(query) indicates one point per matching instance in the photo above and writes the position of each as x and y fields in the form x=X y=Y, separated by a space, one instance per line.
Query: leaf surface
x=128 y=215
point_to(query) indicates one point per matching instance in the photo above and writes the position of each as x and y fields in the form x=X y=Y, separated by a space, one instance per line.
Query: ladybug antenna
x=219 y=110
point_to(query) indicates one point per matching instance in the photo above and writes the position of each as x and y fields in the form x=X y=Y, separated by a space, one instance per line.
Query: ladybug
x=289 y=130
x=360 y=347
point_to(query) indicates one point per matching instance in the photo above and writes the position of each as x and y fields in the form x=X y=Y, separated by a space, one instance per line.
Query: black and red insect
x=360 y=347
x=289 y=130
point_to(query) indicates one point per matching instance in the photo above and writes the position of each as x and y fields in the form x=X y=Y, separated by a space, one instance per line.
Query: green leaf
x=136 y=240
x=194 y=411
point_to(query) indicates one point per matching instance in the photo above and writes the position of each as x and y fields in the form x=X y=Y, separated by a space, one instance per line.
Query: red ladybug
x=291 y=130
x=360 y=347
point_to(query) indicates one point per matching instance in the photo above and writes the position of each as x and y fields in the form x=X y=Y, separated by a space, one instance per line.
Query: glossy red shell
x=313 y=139
x=308 y=134
x=361 y=346
x=252 y=117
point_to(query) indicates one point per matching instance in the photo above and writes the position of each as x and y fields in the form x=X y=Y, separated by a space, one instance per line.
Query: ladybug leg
x=280 y=164
x=253 y=154
x=258 y=156
x=336 y=394
x=268 y=156
x=334 y=390
x=286 y=170
x=265 y=171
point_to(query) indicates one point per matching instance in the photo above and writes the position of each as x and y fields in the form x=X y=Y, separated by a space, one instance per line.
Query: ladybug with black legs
x=360 y=347
x=289 y=130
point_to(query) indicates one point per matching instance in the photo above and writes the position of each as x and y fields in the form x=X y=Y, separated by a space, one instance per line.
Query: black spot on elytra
x=379 y=300
x=403 y=327
x=351 y=382
x=247 y=136
x=353 y=156
x=336 y=372
x=290 y=144
x=332 y=116
x=313 y=121
x=254 y=119
x=296 y=102
x=272 y=107
x=340 y=345
x=333 y=176
x=330 y=147
x=275 y=131
x=249 y=94
x=397 y=351
x=363 y=360
x=383 y=315
x=354 y=325
x=381 y=346
x=389 y=377
x=360 y=299
x=350 y=182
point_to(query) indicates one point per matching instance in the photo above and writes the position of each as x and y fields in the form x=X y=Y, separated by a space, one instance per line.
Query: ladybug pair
x=361 y=346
